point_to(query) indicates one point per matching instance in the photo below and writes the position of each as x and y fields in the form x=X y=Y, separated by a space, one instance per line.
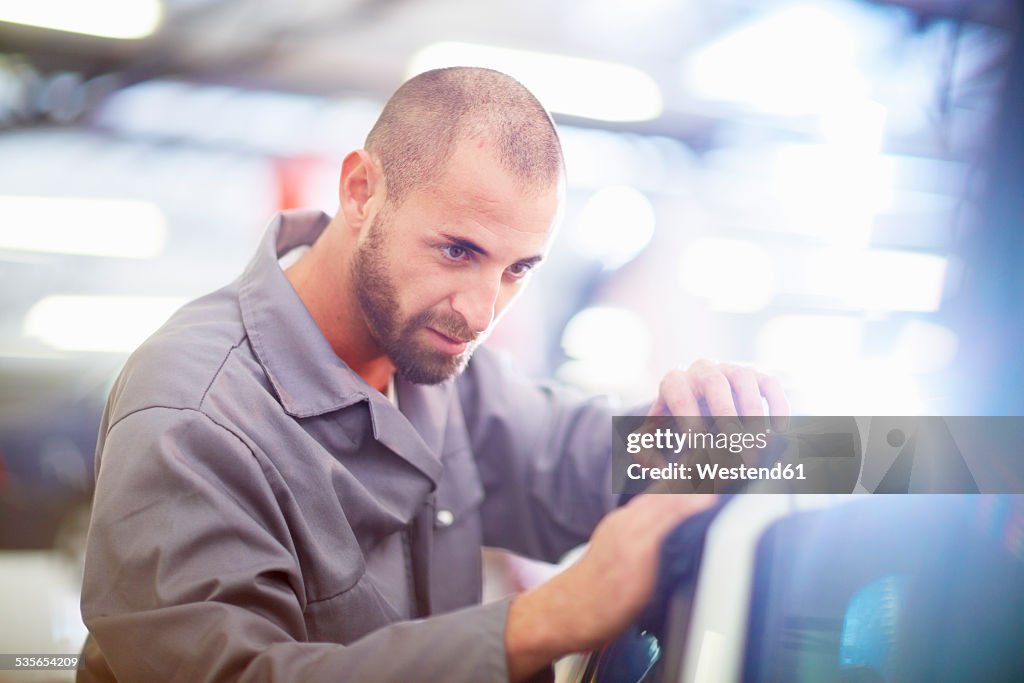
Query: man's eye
x=518 y=270
x=454 y=252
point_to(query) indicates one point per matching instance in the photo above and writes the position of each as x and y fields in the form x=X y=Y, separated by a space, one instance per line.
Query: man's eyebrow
x=532 y=261
x=465 y=244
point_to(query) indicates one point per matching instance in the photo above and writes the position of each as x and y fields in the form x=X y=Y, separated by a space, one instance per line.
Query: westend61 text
x=710 y=472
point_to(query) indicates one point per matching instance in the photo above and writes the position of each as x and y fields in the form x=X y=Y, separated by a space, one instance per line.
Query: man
x=297 y=472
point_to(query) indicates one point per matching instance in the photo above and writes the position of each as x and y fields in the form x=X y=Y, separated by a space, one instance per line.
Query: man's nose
x=476 y=303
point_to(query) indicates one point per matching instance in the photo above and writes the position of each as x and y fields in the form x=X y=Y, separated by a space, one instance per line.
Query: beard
x=414 y=359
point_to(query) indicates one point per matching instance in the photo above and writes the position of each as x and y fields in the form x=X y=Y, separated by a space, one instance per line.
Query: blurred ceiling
x=214 y=116
x=337 y=47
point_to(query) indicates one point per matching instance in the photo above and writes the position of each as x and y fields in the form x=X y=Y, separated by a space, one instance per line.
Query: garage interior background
x=824 y=189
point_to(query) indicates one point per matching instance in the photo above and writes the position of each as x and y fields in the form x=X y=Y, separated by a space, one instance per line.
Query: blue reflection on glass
x=870 y=627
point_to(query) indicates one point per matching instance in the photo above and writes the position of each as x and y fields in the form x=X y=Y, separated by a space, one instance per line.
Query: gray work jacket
x=262 y=514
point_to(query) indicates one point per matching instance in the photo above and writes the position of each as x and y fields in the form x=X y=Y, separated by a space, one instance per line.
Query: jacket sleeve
x=544 y=456
x=190 y=576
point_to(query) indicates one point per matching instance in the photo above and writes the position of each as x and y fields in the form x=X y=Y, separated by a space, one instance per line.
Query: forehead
x=475 y=192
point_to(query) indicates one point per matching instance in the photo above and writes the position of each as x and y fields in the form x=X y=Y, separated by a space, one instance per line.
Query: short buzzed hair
x=421 y=124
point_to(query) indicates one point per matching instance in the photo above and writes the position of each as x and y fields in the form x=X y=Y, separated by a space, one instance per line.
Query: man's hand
x=720 y=390
x=598 y=596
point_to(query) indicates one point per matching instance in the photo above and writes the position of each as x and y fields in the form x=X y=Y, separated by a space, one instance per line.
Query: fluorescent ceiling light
x=93 y=227
x=120 y=19
x=97 y=323
x=877 y=279
x=569 y=85
x=795 y=61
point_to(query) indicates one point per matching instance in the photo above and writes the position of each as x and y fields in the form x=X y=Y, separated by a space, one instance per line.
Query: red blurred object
x=299 y=179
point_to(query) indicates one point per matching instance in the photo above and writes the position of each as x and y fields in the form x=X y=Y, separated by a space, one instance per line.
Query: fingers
x=676 y=395
x=745 y=389
x=778 y=406
x=714 y=388
x=722 y=389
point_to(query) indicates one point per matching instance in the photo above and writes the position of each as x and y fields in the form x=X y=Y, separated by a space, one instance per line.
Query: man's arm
x=544 y=460
x=598 y=596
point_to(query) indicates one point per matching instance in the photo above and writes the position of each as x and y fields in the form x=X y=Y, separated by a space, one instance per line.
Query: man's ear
x=361 y=187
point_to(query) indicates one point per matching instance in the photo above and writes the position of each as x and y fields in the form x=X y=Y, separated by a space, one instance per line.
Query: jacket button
x=444 y=518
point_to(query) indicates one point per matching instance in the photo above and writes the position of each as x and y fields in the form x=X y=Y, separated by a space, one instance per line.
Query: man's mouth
x=450 y=345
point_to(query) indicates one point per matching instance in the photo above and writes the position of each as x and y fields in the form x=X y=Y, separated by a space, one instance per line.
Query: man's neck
x=377 y=373
x=326 y=291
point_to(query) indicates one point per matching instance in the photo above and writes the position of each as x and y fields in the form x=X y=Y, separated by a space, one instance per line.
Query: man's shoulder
x=491 y=368
x=180 y=363
x=486 y=367
x=494 y=385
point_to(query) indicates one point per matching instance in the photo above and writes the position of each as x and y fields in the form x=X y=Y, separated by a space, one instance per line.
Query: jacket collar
x=308 y=377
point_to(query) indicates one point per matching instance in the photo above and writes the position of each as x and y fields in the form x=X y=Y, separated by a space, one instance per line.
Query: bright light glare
x=791 y=343
x=97 y=323
x=864 y=387
x=93 y=227
x=821 y=357
x=733 y=275
x=796 y=61
x=857 y=127
x=121 y=19
x=610 y=347
x=606 y=333
x=615 y=225
x=586 y=88
x=877 y=279
x=832 y=192
x=924 y=347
